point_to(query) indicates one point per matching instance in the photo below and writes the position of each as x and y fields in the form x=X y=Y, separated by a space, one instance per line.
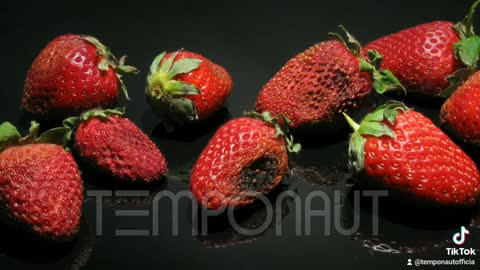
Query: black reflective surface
x=252 y=40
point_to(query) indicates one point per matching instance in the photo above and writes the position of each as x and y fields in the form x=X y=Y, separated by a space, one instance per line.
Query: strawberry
x=72 y=74
x=429 y=57
x=184 y=86
x=245 y=157
x=115 y=146
x=40 y=186
x=315 y=87
x=460 y=114
x=401 y=150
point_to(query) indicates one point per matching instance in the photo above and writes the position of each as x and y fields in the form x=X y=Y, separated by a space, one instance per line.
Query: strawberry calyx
x=466 y=50
x=374 y=124
x=166 y=94
x=383 y=79
x=110 y=61
x=71 y=123
x=281 y=124
x=10 y=136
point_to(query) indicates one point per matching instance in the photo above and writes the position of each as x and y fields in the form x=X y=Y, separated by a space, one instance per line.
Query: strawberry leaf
x=167 y=65
x=468 y=50
x=281 y=124
x=377 y=116
x=365 y=65
x=267 y=116
x=351 y=41
x=123 y=86
x=156 y=63
x=102 y=114
x=9 y=135
x=295 y=148
x=185 y=107
x=183 y=66
x=71 y=124
x=376 y=129
x=55 y=136
x=456 y=80
x=102 y=51
x=104 y=64
x=291 y=146
x=178 y=88
x=32 y=133
x=465 y=27
x=383 y=79
x=375 y=58
x=279 y=132
x=356 y=152
x=390 y=115
x=101 y=48
x=125 y=69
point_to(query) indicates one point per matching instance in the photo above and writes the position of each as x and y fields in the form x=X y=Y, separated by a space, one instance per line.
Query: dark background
x=252 y=40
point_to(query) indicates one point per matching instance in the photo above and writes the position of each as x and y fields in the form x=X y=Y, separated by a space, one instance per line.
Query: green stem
x=351 y=122
x=469 y=19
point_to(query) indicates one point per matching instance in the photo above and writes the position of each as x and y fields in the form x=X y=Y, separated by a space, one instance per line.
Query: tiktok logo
x=460 y=237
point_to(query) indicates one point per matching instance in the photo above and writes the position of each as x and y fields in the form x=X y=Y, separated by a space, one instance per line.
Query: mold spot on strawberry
x=259 y=175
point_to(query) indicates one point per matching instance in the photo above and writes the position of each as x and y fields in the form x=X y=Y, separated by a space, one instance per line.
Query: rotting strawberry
x=184 y=86
x=246 y=157
x=41 y=189
x=72 y=74
x=315 y=87
x=401 y=150
x=115 y=146
x=460 y=114
x=431 y=57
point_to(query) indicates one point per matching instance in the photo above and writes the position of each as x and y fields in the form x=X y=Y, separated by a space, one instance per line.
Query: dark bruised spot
x=259 y=175
x=340 y=76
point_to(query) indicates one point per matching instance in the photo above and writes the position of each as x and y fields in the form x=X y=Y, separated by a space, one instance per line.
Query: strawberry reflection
x=219 y=232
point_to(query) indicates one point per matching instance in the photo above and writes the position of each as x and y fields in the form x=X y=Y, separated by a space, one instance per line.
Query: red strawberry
x=402 y=151
x=72 y=74
x=185 y=86
x=425 y=56
x=314 y=88
x=245 y=157
x=461 y=112
x=40 y=184
x=114 y=145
